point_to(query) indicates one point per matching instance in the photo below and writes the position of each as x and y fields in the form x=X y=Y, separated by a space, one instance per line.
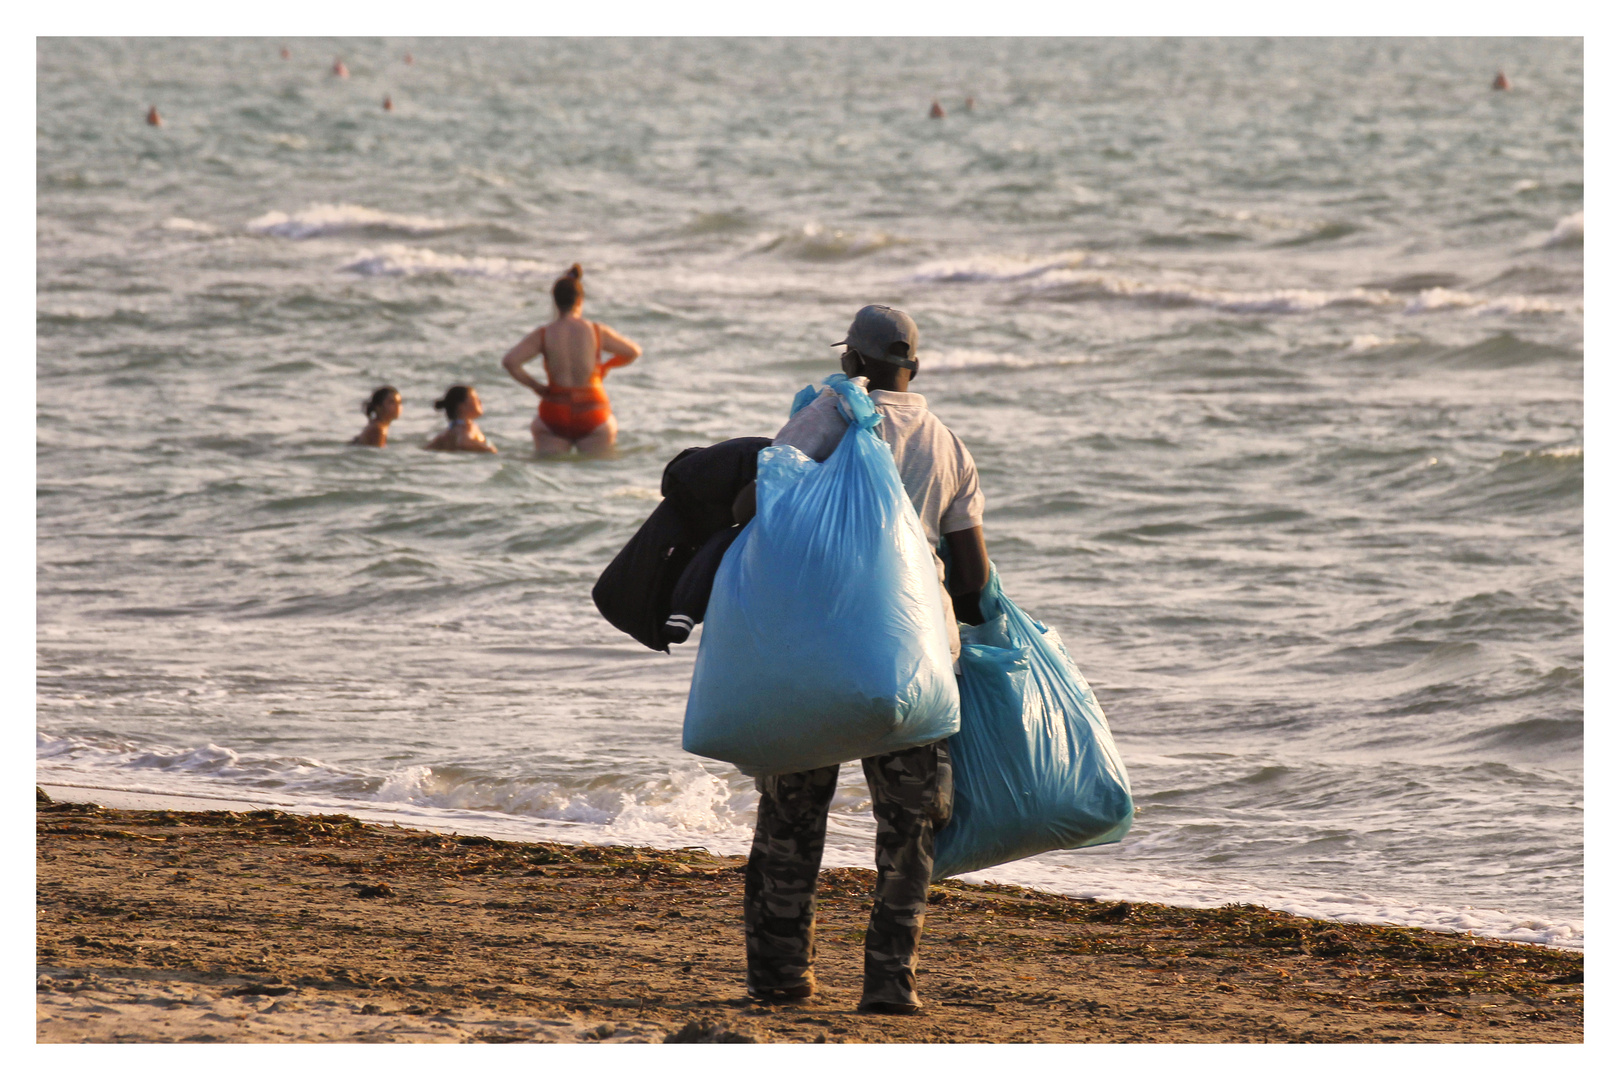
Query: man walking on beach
x=911 y=788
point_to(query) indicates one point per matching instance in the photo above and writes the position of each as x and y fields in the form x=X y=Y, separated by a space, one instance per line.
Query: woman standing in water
x=381 y=409
x=574 y=408
x=461 y=405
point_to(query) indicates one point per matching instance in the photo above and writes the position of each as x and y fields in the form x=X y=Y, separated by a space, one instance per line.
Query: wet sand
x=167 y=926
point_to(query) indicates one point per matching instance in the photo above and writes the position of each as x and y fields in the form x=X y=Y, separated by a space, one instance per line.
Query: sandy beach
x=223 y=926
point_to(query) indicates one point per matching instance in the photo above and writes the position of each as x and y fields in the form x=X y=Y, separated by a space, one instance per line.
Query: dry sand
x=159 y=926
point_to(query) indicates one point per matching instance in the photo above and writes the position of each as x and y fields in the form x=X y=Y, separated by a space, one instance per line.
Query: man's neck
x=896 y=382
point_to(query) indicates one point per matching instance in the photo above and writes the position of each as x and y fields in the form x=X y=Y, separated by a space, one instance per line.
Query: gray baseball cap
x=883 y=333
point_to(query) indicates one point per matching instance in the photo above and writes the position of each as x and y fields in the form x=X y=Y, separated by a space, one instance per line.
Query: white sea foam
x=1106 y=879
x=180 y=224
x=1284 y=301
x=1002 y=267
x=815 y=242
x=327 y=219
x=398 y=260
x=1432 y=300
x=1569 y=232
x=984 y=360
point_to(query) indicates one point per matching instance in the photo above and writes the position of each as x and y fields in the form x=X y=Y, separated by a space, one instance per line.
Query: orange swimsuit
x=573 y=412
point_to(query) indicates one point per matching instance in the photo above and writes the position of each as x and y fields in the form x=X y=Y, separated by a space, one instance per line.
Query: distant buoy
x=286 y=53
x=1501 y=82
x=968 y=104
x=409 y=59
x=340 y=69
x=388 y=103
x=934 y=111
x=153 y=118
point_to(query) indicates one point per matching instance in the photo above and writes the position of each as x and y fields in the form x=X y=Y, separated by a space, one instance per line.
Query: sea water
x=1270 y=354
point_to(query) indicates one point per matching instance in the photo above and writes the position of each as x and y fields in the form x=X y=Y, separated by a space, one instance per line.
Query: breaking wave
x=983 y=360
x=327 y=219
x=398 y=260
x=1078 y=286
x=818 y=243
x=1003 y=267
x=1569 y=232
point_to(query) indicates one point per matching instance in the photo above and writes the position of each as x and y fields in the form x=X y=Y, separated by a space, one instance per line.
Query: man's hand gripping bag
x=825 y=637
x=1034 y=765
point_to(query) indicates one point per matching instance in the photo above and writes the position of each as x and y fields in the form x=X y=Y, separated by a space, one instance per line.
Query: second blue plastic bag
x=824 y=639
x=1034 y=765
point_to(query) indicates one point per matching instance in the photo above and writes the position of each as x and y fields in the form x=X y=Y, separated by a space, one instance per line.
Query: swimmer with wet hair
x=1501 y=82
x=153 y=118
x=574 y=408
x=936 y=111
x=461 y=407
x=381 y=409
x=388 y=103
x=340 y=69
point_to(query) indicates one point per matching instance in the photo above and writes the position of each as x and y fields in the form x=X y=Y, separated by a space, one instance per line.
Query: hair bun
x=442 y=405
x=576 y=272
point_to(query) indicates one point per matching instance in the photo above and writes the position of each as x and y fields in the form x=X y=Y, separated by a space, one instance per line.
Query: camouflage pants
x=911 y=798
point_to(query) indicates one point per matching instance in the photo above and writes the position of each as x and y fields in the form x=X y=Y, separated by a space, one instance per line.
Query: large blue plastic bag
x=825 y=636
x=1034 y=765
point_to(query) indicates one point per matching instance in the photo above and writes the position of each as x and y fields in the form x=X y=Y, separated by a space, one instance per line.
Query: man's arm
x=970 y=572
x=742 y=507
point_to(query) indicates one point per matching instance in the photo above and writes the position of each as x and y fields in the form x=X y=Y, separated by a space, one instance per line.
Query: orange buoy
x=340 y=69
x=934 y=111
x=1501 y=82
x=153 y=118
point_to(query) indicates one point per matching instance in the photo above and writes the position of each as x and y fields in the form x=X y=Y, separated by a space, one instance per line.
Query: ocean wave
x=1112 y=882
x=686 y=801
x=1284 y=301
x=398 y=260
x=328 y=219
x=1442 y=299
x=818 y=243
x=683 y=801
x=1002 y=267
x=1069 y=285
x=982 y=360
x=1569 y=232
x=180 y=224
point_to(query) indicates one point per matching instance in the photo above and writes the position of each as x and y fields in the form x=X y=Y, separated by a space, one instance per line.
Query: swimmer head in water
x=340 y=69
x=384 y=404
x=936 y=111
x=460 y=403
x=461 y=406
x=153 y=118
x=388 y=103
x=381 y=409
x=1501 y=82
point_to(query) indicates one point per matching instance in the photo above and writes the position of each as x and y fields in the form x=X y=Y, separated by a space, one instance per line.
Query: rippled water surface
x=1270 y=354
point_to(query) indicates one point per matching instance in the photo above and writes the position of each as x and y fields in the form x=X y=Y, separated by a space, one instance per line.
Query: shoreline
x=226 y=926
x=449 y=821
